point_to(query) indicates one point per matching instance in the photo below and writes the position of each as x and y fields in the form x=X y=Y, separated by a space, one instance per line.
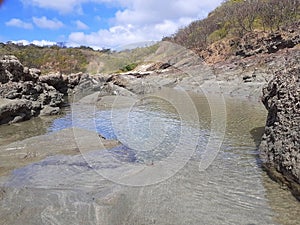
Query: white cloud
x=43 y=22
x=19 y=23
x=137 y=20
x=122 y=35
x=146 y=20
x=81 y=26
x=155 y=11
x=113 y=37
x=22 y=42
x=35 y=42
x=43 y=43
x=158 y=8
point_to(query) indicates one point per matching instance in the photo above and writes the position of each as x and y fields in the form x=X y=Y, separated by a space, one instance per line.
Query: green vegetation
x=129 y=67
x=234 y=18
x=53 y=58
x=72 y=60
x=124 y=60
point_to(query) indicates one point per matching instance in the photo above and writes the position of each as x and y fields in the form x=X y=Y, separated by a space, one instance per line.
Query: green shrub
x=218 y=34
x=129 y=67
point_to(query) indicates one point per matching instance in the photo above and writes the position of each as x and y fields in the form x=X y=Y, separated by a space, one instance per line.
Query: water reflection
x=233 y=190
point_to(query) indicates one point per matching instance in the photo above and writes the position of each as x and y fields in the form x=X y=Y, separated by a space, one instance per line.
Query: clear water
x=154 y=176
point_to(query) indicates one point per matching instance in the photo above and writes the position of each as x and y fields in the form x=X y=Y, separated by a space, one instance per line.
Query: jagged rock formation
x=280 y=146
x=25 y=93
x=256 y=43
x=60 y=82
x=251 y=44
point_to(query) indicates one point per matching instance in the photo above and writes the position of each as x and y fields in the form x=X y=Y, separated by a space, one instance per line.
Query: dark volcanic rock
x=23 y=95
x=280 y=147
x=60 y=82
x=56 y=80
x=257 y=43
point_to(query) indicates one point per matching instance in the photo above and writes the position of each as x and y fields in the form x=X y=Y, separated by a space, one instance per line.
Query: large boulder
x=10 y=69
x=12 y=111
x=23 y=94
x=104 y=86
x=280 y=146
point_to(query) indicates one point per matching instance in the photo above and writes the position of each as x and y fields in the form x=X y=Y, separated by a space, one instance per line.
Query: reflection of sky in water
x=102 y=123
x=230 y=191
x=141 y=121
x=148 y=132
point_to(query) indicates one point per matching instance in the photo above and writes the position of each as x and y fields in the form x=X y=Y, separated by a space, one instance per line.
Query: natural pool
x=154 y=176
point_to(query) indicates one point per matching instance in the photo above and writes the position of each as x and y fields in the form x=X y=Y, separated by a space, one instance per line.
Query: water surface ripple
x=71 y=189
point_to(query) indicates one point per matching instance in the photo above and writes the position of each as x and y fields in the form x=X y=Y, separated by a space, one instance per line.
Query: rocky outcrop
x=25 y=93
x=280 y=146
x=102 y=84
x=12 y=70
x=258 y=42
x=60 y=82
x=12 y=111
x=251 y=44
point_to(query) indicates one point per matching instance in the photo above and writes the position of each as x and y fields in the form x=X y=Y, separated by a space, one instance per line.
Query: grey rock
x=14 y=110
x=74 y=79
x=4 y=77
x=38 y=88
x=55 y=80
x=35 y=72
x=56 y=98
x=279 y=148
x=29 y=93
x=87 y=86
x=30 y=74
x=61 y=82
x=11 y=69
x=252 y=44
x=18 y=118
x=13 y=95
x=49 y=111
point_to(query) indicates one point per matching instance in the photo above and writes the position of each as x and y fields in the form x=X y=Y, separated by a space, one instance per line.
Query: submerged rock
x=280 y=146
x=70 y=141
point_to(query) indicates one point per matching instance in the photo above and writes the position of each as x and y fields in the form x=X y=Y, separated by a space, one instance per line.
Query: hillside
x=242 y=28
x=48 y=59
x=73 y=60
x=236 y=29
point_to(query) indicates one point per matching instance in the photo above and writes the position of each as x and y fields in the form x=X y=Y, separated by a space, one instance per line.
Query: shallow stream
x=156 y=175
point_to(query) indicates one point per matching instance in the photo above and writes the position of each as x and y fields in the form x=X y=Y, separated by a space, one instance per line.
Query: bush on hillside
x=234 y=18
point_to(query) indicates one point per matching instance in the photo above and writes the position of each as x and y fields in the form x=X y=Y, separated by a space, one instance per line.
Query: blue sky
x=97 y=23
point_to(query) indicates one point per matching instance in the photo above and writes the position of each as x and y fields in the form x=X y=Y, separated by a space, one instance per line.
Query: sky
x=97 y=23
